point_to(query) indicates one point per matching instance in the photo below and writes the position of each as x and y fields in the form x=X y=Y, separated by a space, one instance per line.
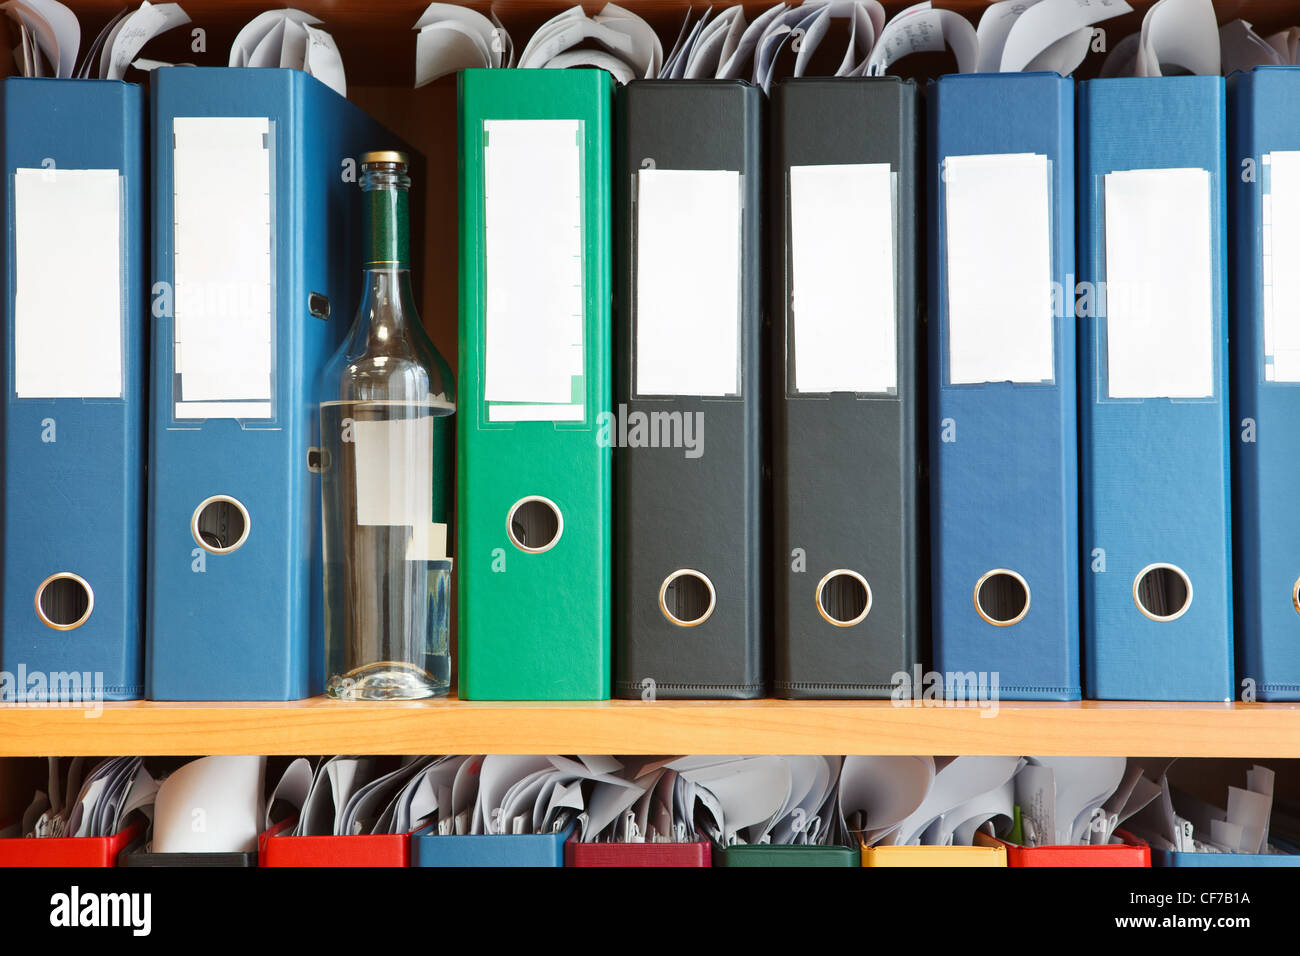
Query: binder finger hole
x=534 y=524
x=844 y=598
x=64 y=601
x=1002 y=597
x=1295 y=595
x=687 y=598
x=319 y=306
x=220 y=524
x=1162 y=592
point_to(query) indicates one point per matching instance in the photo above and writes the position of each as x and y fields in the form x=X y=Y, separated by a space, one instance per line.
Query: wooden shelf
x=320 y=726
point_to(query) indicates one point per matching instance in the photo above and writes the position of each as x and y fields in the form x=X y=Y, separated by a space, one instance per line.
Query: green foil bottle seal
x=386 y=184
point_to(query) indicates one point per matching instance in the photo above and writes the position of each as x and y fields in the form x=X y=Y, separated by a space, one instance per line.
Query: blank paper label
x=1159 y=291
x=688 y=282
x=1281 y=272
x=394 y=479
x=394 y=461
x=240 y=410
x=535 y=413
x=68 y=289
x=997 y=210
x=532 y=173
x=842 y=252
x=224 y=331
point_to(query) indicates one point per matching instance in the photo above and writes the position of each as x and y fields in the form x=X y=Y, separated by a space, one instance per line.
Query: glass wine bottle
x=387 y=441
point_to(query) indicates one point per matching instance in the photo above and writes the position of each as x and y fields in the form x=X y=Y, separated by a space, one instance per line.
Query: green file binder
x=533 y=463
x=768 y=855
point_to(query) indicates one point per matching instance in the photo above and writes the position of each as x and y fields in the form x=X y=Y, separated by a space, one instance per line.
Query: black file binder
x=688 y=520
x=849 y=599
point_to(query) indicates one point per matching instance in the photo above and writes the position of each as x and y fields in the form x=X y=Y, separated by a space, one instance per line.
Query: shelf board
x=321 y=726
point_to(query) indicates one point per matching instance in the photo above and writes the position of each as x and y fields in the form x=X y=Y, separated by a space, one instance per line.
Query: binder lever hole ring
x=687 y=597
x=1162 y=592
x=1002 y=597
x=534 y=524
x=843 y=598
x=1295 y=595
x=220 y=524
x=64 y=601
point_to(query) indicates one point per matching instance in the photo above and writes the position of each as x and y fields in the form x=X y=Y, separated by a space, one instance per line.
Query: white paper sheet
x=733 y=67
x=252 y=33
x=292 y=789
x=629 y=47
x=267 y=53
x=742 y=797
x=887 y=790
x=455 y=38
x=55 y=29
x=999 y=250
x=213 y=804
x=68 y=334
x=133 y=32
x=499 y=774
x=956 y=782
x=1241 y=48
x=222 y=261
x=1044 y=26
x=647 y=53
x=369 y=803
x=688 y=272
x=842 y=247
x=803 y=28
x=813 y=782
x=959 y=825
x=322 y=60
x=715 y=42
x=1079 y=785
x=1281 y=279
x=798 y=21
x=1179 y=33
x=1287 y=44
x=1159 y=305
x=533 y=261
x=920 y=28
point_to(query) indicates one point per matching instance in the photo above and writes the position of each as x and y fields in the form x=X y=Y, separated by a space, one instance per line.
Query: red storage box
x=68 y=851
x=383 y=849
x=637 y=854
x=1132 y=852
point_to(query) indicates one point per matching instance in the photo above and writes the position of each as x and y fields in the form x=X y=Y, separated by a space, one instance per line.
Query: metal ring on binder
x=76 y=579
x=980 y=584
x=1295 y=595
x=510 y=524
x=821 y=586
x=1187 y=582
x=663 y=597
x=220 y=499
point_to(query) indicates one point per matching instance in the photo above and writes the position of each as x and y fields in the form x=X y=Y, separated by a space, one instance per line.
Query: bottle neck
x=386 y=233
x=386 y=293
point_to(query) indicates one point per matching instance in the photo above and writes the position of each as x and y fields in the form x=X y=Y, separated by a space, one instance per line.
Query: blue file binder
x=1003 y=480
x=74 y=406
x=1165 y=858
x=1154 y=421
x=428 y=849
x=256 y=235
x=1264 y=129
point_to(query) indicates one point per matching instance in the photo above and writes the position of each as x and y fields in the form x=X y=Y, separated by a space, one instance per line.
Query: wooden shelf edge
x=320 y=726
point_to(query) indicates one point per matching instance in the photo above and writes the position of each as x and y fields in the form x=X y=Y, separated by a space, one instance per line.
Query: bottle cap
x=384 y=156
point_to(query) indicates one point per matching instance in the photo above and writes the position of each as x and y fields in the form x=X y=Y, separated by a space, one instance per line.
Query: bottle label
x=387 y=239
